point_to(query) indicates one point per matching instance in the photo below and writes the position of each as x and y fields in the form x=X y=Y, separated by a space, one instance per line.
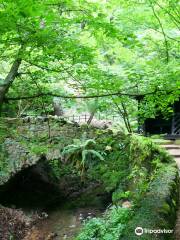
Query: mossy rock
x=158 y=208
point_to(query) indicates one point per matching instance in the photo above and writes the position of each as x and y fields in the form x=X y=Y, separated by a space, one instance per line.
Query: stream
x=63 y=223
x=58 y=217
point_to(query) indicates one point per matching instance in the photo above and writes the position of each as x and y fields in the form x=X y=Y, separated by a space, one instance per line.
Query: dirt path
x=174 y=150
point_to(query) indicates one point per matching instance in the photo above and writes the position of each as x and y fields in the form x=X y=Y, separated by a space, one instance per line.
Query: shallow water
x=66 y=223
x=65 y=216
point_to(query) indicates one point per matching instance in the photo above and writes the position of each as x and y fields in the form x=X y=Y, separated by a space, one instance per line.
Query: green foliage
x=115 y=167
x=119 y=195
x=108 y=228
x=58 y=169
x=158 y=208
x=140 y=179
x=81 y=153
x=131 y=167
x=39 y=150
x=151 y=187
x=91 y=48
x=5 y=168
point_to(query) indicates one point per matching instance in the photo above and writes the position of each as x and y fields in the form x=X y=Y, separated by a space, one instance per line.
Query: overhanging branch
x=135 y=96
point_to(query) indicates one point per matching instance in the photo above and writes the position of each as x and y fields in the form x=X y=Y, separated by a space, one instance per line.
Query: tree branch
x=176 y=21
x=163 y=32
x=150 y=27
x=122 y=93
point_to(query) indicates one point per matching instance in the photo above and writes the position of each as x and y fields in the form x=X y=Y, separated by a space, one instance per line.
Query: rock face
x=15 y=157
x=101 y=124
x=13 y=221
x=25 y=142
x=25 y=148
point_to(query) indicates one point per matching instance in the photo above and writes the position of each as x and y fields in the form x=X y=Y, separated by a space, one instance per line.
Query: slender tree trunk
x=91 y=117
x=93 y=110
x=126 y=117
x=123 y=113
x=9 y=80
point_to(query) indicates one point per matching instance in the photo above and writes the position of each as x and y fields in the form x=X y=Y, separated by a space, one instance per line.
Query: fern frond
x=70 y=149
x=89 y=141
x=84 y=156
x=95 y=153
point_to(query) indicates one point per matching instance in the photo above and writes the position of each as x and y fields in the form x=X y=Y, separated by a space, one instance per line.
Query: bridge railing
x=84 y=118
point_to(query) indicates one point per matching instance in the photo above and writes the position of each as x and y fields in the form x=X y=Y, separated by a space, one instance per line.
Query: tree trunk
x=57 y=106
x=9 y=80
x=91 y=117
x=92 y=110
x=126 y=117
x=123 y=113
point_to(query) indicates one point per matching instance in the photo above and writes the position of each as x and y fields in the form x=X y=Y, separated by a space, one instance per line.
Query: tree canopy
x=113 y=51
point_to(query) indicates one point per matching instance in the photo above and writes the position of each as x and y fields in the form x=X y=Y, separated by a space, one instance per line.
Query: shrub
x=108 y=228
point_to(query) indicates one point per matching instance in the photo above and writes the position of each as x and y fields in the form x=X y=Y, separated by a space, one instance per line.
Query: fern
x=95 y=153
x=80 y=152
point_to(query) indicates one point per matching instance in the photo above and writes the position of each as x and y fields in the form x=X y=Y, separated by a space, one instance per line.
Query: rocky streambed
x=36 y=209
x=58 y=223
x=62 y=223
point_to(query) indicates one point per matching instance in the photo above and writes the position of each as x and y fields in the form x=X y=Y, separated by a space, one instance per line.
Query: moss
x=166 y=209
x=154 y=180
x=155 y=212
x=132 y=164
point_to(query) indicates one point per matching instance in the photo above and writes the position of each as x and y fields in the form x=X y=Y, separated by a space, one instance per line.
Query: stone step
x=174 y=152
x=171 y=146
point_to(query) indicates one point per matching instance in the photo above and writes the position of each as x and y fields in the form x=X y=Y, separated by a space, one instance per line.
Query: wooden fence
x=84 y=118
